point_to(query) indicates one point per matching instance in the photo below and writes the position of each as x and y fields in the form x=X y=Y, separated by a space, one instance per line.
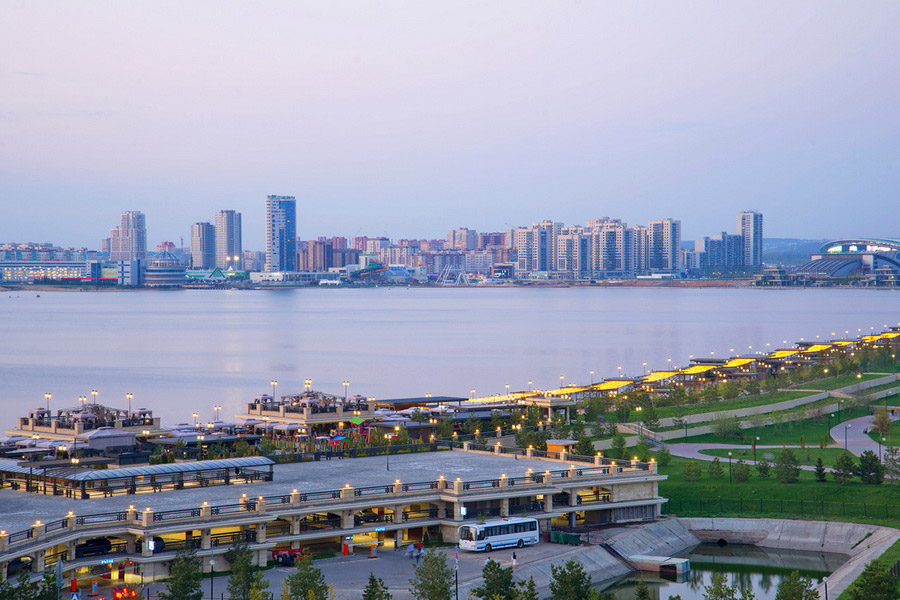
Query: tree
x=787 y=467
x=471 y=424
x=433 y=579
x=882 y=421
x=376 y=589
x=663 y=456
x=527 y=590
x=649 y=417
x=741 y=471
x=892 y=462
x=795 y=587
x=641 y=591
x=715 y=469
x=874 y=583
x=306 y=582
x=498 y=583
x=642 y=450
x=243 y=575
x=843 y=468
x=266 y=447
x=569 y=581
x=185 y=577
x=725 y=426
x=718 y=588
x=617 y=450
x=692 y=471
x=584 y=447
x=763 y=468
x=820 y=470
x=258 y=590
x=870 y=469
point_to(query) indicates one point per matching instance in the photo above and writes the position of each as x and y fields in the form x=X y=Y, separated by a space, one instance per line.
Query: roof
x=611 y=385
x=420 y=400
x=738 y=362
x=10 y=466
x=697 y=369
x=659 y=376
x=783 y=353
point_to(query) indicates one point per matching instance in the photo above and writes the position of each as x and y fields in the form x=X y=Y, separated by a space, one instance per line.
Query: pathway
x=857 y=441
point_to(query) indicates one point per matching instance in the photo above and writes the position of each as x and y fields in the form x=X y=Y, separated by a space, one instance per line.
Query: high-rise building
x=128 y=241
x=720 y=250
x=665 y=245
x=203 y=246
x=750 y=228
x=462 y=239
x=228 y=239
x=641 y=240
x=281 y=233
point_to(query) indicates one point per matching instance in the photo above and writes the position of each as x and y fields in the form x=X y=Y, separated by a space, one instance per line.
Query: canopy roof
x=10 y=466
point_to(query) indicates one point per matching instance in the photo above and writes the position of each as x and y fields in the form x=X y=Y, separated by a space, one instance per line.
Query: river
x=186 y=351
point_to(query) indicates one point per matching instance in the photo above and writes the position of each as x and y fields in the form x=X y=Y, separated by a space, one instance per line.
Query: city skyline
x=484 y=116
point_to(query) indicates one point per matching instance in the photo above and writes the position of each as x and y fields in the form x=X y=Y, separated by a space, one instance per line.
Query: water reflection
x=753 y=567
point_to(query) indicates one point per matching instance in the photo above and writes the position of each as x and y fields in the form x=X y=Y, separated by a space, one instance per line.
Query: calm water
x=760 y=569
x=185 y=351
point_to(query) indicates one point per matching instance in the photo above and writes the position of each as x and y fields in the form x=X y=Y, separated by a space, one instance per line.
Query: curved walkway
x=694 y=451
x=857 y=441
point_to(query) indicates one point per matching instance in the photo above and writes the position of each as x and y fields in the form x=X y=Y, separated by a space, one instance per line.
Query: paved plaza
x=21 y=509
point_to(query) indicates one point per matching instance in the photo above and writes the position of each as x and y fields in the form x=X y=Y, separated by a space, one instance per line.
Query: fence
x=804 y=508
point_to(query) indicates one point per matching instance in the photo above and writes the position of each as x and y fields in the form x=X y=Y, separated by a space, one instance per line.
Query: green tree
x=649 y=417
x=444 y=428
x=258 y=590
x=306 y=582
x=795 y=587
x=741 y=471
x=715 y=469
x=764 y=468
x=185 y=577
x=241 y=448
x=243 y=575
x=375 y=589
x=843 y=469
x=617 y=450
x=726 y=426
x=787 y=467
x=266 y=447
x=642 y=450
x=498 y=583
x=527 y=590
x=471 y=424
x=820 y=470
x=569 y=581
x=641 y=591
x=882 y=422
x=584 y=447
x=663 y=456
x=870 y=469
x=718 y=588
x=433 y=579
x=892 y=462
x=874 y=583
x=692 y=470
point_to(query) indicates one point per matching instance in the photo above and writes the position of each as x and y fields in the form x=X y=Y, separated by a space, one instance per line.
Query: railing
x=481 y=513
x=52 y=559
x=316 y=524
x=592 y=498
x=778 y=506
x=372 y=518
x=110 y=517
x=411 y=515
x=481 y=484
x=56 y=525
x=376 y=490
x=238 y=537
x=278 y=529
x=228 y=509
x=282 y=499
x=525 y=480
x=314 y=496
x=21 y=536
x=172 y=515
x=533 y=506
x=192 y=543
x=419 y=486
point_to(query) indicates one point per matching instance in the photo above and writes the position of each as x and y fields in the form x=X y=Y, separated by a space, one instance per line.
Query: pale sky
x=409 y=118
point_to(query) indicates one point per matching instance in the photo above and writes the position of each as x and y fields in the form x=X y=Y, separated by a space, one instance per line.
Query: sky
x=407 y=119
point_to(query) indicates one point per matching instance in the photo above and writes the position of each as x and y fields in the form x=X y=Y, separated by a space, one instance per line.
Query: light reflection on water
x=185 y=351
x=760 y=569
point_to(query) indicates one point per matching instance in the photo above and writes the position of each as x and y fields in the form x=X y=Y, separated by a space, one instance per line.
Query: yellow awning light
x=816 y=348
x=659 y=376
x=697 y=369
x=610 y=385
x=738 y=362
x=783 y=354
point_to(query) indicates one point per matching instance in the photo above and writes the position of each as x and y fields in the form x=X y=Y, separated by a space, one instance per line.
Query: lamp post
x=829 y=421
x=729 y=466
x=754 y=449
x=83 y=400
x=216 y=410
x=530 y=386
x=507 y=389
x=561 y=379
x=94 y=394
x=273 y=383
x=825 y=581
x=129 y=396
x=645 y=368
x=195 y=415
x=592 y=377
x=640 y=425
x=47 y=397
x=346 y=385
x=881 y=441
x=472 y=393
x=846 y=427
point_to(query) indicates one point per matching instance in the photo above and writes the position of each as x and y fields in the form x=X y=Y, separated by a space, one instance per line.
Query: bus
x=500 y=533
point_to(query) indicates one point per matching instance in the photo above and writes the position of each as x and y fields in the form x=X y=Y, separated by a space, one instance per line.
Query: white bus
x=501 y=533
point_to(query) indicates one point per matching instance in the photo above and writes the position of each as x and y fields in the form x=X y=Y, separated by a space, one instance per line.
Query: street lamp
x=756 y=441
x=825 y=581
x=83 y=400
x=729 y=466
x=879 y=448
x=846 y=427
x=592 y=377
x=273 y=383
x=530 y=386
x=561 y=379
x=129 y=395
x=216 y=410
x=307 y=384
x=472 y=392
x=94 y=394
x=346 y=385
x=195 y=415
x=507 y=389
x=47 y=397
x=645 y=368
x=640 y=425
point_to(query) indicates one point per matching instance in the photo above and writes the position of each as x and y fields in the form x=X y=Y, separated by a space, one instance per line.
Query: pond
x=762 y=569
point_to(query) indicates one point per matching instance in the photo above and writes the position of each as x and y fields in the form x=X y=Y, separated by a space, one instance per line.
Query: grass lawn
x=664 y=412
x=787 y=433
x=833 y=383
x=878 y=388
x=807 y=499
x=806 y=457
x=892 y=438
